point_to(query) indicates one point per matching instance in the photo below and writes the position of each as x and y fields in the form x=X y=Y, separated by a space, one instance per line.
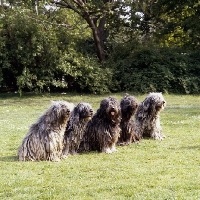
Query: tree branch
x=66 y=4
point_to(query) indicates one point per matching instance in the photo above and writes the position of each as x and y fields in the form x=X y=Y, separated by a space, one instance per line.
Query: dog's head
x=110 y=109
x=154 y=101
x=83 y=111
x=129 y=106
x=58 y=112
x=152 y=105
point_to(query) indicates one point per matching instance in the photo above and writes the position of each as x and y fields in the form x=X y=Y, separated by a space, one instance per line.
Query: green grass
x=168 y=169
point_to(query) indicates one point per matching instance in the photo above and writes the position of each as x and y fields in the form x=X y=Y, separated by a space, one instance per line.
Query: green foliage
x=25 y=80
x=178 y=23
x=157 y=69
x=84 y=74
x=40 y=57
x=28 y=47
x=149 y=46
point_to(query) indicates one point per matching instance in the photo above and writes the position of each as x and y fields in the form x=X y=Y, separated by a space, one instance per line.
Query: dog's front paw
x=56 y=159
x=64 y=156
x=113 y=149
x=159 y=137
x=107 y=150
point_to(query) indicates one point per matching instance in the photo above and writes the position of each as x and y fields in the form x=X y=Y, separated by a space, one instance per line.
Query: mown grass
x=167 y=169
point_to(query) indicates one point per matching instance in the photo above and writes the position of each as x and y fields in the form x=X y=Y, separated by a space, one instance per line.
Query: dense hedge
x=38 y=57
x=158 y=69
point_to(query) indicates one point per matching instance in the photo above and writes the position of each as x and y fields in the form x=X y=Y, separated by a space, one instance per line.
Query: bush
x=36 y=56
x=157 y=69
x=84 y=74
x=30 y=51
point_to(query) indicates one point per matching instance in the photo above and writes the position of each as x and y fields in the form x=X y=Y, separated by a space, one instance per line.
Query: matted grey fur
x=44 y=140
x=102 y=131
x=79 y=118
x=129 y=105
x=147 y=117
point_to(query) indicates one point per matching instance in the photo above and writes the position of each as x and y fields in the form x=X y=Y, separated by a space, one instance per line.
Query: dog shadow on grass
x=192 y=147
x=8 y=159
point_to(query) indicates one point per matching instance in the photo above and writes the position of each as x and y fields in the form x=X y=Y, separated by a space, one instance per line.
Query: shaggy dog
x=79 y=118
x=103 y=130
x=129 y=106
x=147 y=119
x=44 y=140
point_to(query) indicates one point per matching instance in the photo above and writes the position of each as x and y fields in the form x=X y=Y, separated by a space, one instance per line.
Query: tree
x=179 y=22
x=146 y=24
x=29 y=50
x=95 y=14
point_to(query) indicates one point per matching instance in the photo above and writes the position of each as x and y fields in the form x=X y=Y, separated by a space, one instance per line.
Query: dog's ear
x=102 y=109
x=75 y=114
x=143 y=109
x=146 y=105
x=141 y=114
x=100 y=112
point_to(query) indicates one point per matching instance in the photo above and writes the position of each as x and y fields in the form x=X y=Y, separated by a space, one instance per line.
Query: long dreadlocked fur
x=103 y=130
x=44 y=140
x=129 y=106
x=79 y=118
x=147 y=117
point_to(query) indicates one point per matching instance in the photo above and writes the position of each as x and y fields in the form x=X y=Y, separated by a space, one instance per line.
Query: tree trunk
x=96 y=23
x=98 y=35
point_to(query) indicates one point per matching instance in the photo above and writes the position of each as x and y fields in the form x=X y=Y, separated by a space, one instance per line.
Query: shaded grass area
x=167 y=169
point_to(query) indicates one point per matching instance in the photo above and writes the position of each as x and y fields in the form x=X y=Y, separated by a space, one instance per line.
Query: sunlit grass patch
x=167 y=169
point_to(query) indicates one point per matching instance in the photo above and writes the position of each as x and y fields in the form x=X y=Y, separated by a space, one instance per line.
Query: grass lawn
x=151 y=170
